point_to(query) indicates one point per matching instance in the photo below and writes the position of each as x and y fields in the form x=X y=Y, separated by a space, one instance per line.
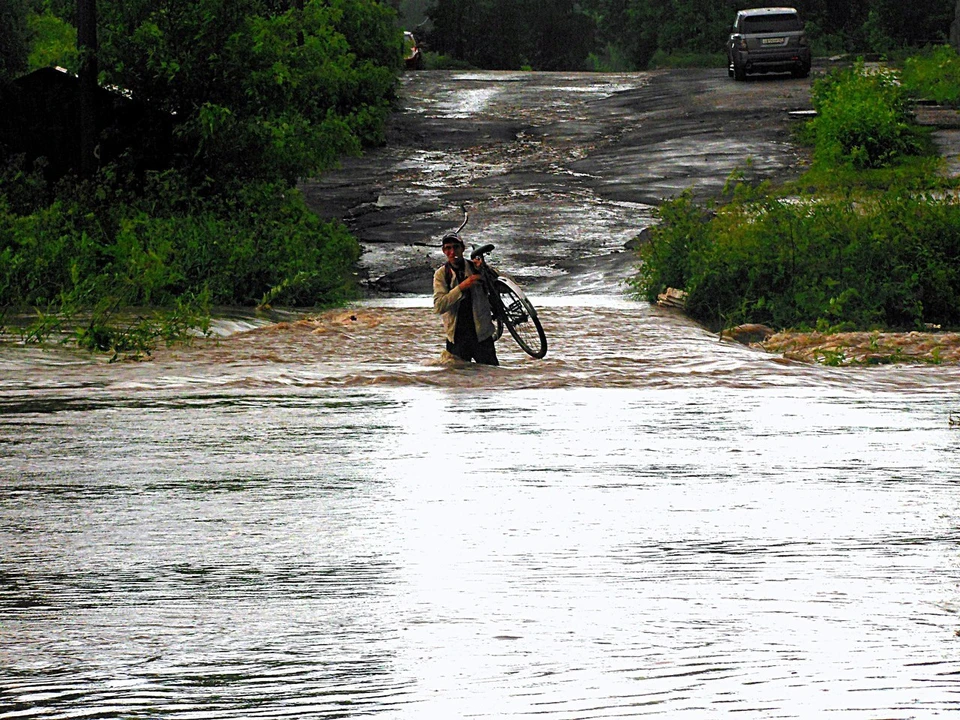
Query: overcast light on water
x=318 y=518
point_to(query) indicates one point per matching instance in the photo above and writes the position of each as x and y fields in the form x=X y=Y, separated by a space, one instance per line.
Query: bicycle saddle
x=482 y=250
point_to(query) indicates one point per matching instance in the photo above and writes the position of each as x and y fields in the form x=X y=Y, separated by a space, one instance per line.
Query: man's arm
x=445 y=298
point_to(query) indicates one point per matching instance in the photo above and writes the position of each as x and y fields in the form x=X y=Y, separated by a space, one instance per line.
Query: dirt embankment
x=866 y=348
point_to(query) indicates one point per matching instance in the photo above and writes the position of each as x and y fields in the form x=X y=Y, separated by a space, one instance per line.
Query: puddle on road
x=464 y=103
x=558 y=95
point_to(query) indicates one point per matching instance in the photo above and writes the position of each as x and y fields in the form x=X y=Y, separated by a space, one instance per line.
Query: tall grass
x=863 y=119
x=934 y=75
x=891 y=261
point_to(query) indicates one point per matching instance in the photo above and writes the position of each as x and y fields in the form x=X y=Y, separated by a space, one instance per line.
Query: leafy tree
x=14 y=38
x=261 y=93
x=511 y=34
x=260 y=90
x=55 y=42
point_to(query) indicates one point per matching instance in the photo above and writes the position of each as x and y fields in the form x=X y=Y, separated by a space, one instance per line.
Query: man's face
x=453 y=251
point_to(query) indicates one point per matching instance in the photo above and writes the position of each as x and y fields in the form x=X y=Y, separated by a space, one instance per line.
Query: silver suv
x=768 y=40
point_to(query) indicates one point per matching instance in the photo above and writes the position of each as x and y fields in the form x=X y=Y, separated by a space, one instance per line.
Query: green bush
x=55 y=42
x=611 y=58
x=98 y=250
x=891 y=262
x=934 y=75
x=863 y=119
x=150 y=249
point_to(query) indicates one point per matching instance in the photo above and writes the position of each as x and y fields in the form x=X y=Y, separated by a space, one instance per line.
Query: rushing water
x=320 y=519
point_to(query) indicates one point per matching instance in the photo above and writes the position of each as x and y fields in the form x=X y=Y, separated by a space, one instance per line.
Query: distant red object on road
x=412 y=56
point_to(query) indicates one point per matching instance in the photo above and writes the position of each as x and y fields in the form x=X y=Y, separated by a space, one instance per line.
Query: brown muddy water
x=320 y=519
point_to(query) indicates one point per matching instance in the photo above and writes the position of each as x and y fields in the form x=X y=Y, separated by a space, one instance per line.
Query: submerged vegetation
x=868 y=239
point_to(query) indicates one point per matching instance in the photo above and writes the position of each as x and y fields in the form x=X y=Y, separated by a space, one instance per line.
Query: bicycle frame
x=511 y=307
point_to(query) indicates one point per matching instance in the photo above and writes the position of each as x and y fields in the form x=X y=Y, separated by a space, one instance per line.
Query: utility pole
x=89 y=69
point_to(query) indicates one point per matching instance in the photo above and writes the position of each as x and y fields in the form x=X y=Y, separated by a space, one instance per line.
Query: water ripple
x=296 y=521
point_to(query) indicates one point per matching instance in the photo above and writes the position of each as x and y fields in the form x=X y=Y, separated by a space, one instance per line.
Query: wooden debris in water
x=672 y=297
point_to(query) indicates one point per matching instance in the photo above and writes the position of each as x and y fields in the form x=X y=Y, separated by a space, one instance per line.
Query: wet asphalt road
x=559 y=170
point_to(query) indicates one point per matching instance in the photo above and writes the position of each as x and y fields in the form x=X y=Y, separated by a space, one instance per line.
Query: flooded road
x=560 y=170
x=318 y=518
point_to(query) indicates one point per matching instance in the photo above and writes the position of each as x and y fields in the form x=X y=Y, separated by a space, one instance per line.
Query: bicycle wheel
x=520 y=317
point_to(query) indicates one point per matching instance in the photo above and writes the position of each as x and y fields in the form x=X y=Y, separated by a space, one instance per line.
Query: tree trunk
x=955 y=28
x=87 y=47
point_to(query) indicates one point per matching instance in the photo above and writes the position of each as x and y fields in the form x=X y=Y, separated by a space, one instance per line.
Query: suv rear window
x=785 y=22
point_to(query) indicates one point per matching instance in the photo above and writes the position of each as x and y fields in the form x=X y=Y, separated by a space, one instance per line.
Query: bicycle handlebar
x=482 y=250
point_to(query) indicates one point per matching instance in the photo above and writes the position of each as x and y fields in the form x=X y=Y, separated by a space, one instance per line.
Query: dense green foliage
x=151 y=247
x=852 y=263
x=98 y=249
x=934 y=75
x=863 y=118
x=258 y=93
x=848 y=257
x=261 y=93
x=54 y=42
x=638 y=34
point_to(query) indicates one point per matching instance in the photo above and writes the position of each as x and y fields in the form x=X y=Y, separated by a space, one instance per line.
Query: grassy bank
x=868 y=239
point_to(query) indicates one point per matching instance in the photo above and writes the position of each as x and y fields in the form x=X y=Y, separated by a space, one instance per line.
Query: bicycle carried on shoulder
x=509 y=304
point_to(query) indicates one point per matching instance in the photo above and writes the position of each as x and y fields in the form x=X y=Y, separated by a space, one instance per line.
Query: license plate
x=773 y=41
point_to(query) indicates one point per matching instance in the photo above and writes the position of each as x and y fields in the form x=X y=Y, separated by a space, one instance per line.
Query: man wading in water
x=465 y=309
